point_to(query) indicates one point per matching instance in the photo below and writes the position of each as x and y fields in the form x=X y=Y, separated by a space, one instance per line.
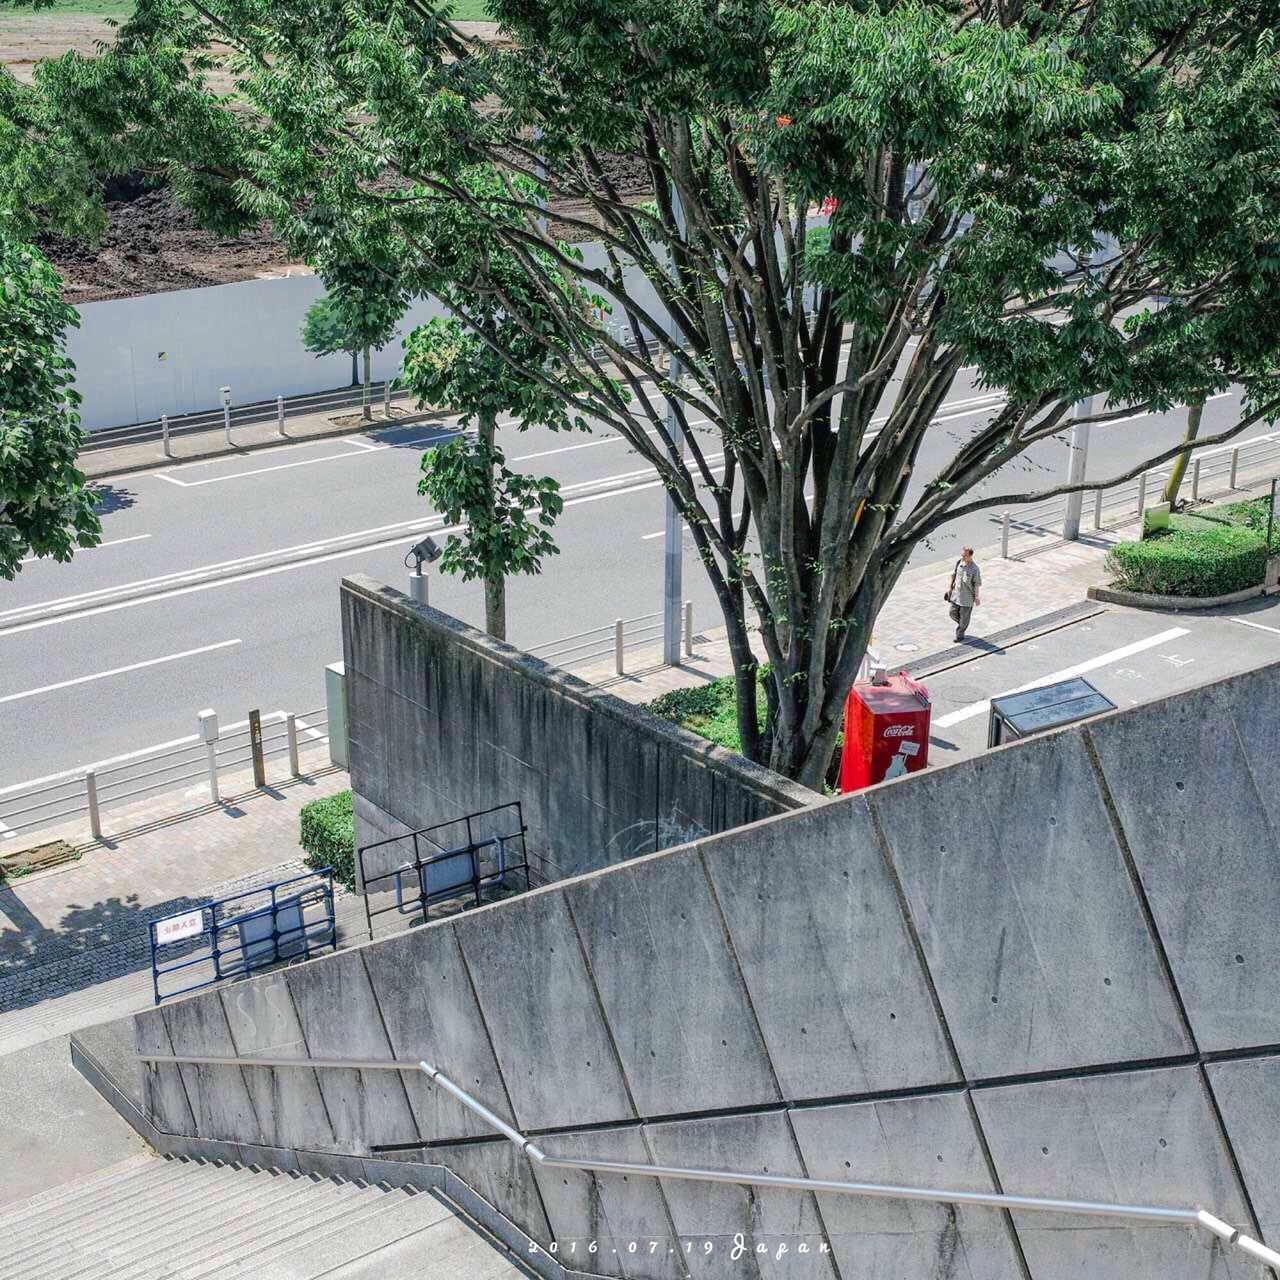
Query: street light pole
x=1079 y=448
x=673 y=543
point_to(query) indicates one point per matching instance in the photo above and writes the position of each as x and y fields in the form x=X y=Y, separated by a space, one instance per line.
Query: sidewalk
x=1042 y=578
x=147 y=455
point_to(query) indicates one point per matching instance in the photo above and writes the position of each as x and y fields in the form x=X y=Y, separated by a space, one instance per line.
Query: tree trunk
x=495 y=585
x=1195 y=412
x=367 y=408
x=355 y=368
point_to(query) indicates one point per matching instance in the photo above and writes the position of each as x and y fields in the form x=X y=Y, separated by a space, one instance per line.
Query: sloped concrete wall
x=444 y=720
x=1049 y=970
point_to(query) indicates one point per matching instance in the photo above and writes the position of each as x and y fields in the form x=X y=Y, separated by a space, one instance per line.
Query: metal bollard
x=1195 y=480
x=1142 y=494
x=1004 y=535
x=164 y=434
x=386 y=399
x=280 y=416
x=208 y=721
x=225 y=392
x=1235 y=467
x=291 y=729
x=1097 y=510
x=617 y=646
x=688 y=628
x=91 y=791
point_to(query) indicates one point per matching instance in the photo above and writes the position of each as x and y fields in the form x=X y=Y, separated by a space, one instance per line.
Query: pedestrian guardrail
x=1212 y=471
x=613 y=638
x=49 y=801
x=240 y=934
x=465 y=857
x=278 y=409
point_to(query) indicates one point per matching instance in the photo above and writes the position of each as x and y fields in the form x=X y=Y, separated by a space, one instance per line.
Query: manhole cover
x=905 y=646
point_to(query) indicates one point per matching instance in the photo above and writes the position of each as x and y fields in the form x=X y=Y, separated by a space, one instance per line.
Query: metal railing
x=31 y=806
x=614 y=638
x=242 y=933
x=1200 y=1218
x=485 y=850
x=1215 y=471
x=278 y=409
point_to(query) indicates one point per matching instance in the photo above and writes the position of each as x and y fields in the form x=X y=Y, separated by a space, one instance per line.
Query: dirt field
x=151 y=244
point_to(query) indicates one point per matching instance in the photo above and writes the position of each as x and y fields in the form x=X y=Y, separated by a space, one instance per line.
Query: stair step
x=154 y=1221
x=42 y=1200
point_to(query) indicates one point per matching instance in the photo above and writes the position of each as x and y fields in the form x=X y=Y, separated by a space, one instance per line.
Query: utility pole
x=673 y=543
x=1079 y=448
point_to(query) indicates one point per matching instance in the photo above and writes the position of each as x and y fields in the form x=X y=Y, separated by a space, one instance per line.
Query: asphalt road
x=1130 y=655
x=217 y=582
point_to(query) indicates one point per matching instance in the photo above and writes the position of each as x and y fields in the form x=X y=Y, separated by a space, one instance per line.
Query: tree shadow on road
x=110 y=498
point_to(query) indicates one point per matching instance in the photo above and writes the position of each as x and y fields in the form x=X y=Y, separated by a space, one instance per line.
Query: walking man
x=964 y=593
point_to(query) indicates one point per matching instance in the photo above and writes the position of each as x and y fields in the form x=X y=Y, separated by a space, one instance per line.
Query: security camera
x=427 y=550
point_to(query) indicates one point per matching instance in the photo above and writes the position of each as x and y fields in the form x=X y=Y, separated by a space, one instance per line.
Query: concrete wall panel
x=219 y=1095
x=583 y=1208
x=929 y=1142
x=1145 y=1137
x=763 y=1220
x=658 y=949
x=1248 y=1095
x=288 y=1103
x=542 y=1012
x=501 y=1175
x=831 y=970
x=1205 y=848
x=1027 y=915
x=424 y=992
x=340 y=1019
x=164 y=1094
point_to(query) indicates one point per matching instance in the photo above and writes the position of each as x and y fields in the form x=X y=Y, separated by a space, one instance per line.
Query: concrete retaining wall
x=1071 y=993
x=444 y=720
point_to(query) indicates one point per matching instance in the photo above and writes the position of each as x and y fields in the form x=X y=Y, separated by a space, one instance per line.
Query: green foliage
x=1194 y=557
x=509 y=516
x=1252 y=514
x=328 y=834
x=709 y=710
x=45 y=508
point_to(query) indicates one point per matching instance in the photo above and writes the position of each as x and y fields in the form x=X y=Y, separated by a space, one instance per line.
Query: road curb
x=1172 y=604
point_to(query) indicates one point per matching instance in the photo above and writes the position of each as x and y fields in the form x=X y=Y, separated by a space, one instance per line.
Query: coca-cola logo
x=899 y=731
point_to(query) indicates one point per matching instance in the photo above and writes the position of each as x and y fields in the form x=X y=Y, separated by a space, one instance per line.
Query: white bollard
x=1235 y=467
x=688 y=628
x=617 y=646
x=1004 y=536
x=1097 y=510
x=209 y=732
x=164 y=434
x=386 y=399
x=91 y=792
x=1142 y=494
x=291 y=729
x=280 y=416
x=1195 y=480
x=225 y=392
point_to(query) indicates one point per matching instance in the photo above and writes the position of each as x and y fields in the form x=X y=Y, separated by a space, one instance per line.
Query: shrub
x=707 y=710
x=328 y=834
x=1194 y=557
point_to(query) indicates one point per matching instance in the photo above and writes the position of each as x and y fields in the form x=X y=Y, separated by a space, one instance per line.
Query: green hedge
x=328 y=834
x=1194 y=557
x=709 y=710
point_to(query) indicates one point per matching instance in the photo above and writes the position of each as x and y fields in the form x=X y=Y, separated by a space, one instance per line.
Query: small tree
x=364 y=304
x=1195 y=412
x=508 y=516
x=45 y=508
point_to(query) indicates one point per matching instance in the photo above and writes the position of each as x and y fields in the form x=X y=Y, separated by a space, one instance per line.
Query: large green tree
x=1013 y=185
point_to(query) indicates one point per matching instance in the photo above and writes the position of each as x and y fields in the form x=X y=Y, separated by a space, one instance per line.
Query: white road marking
x=118 y=671
x=306 y=563
x=1259 y=626
x=114 y=542
x=362 y=444
x=1103 y=660
x=648 y=537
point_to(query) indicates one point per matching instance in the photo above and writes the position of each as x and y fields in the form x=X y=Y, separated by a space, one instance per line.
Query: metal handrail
x=875 y=1190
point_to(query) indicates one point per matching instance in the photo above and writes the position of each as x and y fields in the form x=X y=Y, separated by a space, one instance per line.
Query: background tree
x=324 y=334
x=1013 y=186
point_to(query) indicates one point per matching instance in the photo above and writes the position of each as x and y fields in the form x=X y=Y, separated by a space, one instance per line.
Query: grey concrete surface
x=445 y=720
x=56 y=1128
x=1068 y=1086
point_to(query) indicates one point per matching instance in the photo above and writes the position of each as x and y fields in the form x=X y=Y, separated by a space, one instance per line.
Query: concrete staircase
x=154 y=1218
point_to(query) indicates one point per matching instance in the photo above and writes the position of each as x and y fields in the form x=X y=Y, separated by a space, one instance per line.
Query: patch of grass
x=709 y=710
x=1195 y=557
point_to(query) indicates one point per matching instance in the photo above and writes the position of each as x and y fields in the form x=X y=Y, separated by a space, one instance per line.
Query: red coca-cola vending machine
x=886 y=731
